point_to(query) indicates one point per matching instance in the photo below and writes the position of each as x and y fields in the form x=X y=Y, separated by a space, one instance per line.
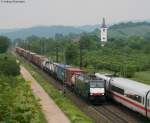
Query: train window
x=148 y=102
x=135 y=97
x=143 y=100
x=97 y=84
x=118 y=90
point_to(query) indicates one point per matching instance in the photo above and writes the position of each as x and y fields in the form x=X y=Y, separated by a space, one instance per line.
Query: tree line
x=122 y=56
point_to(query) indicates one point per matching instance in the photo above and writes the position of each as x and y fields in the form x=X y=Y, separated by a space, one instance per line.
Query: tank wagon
x=132 y=94
x=53 y=69
x=47 y=66
x=90 y=87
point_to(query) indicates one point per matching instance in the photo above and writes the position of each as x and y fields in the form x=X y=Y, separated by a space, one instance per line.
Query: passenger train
x=132 y=94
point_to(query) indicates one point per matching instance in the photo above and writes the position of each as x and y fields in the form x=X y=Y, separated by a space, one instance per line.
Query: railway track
x=105 y=113
x=113 y=117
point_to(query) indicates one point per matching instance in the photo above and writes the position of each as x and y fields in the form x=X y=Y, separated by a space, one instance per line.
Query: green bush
x=8 y=66
x=4 y=44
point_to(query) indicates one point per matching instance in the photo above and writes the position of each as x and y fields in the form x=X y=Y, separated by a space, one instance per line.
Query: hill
x=41 y=31
x=125 y=30
x=120 y=30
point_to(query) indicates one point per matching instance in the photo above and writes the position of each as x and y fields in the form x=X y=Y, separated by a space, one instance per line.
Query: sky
x=71 y=12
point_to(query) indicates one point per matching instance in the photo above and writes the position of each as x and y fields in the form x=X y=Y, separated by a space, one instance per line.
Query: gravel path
x=51 y=111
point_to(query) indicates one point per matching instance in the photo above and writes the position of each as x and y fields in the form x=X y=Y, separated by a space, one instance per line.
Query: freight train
x=132 y=94
x=86 y=85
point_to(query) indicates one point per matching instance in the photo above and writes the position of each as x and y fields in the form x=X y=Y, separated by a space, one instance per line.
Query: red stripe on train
x=130 y=102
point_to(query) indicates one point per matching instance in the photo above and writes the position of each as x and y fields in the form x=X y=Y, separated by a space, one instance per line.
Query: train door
x=148 y=105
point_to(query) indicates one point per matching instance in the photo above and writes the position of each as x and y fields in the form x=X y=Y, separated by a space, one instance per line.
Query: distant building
x=103 y=32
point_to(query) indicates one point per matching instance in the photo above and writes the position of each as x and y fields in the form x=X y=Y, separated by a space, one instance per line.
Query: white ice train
x=132 y=94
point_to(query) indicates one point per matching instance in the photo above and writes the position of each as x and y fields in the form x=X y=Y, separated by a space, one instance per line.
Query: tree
x=4 y=44
x=87 y=41
x=71 y=54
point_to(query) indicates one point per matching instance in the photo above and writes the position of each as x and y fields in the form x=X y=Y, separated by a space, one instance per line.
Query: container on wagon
x=30 y=56
x=70 y=75
x=38 y=60
x=60 y=71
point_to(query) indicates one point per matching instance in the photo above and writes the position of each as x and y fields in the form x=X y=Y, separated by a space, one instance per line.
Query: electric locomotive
x=90 y=87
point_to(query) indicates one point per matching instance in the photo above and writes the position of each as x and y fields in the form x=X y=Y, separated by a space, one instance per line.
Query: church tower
x=103 y=32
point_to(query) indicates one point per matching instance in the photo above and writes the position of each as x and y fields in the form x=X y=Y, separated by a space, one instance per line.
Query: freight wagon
x=53 y=69
x=38 y=60
x=30 y=56
x=70 y=75
x=46 y=65
x=60 y=71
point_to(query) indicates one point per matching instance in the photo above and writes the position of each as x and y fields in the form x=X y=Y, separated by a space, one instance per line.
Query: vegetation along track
x=105 y=113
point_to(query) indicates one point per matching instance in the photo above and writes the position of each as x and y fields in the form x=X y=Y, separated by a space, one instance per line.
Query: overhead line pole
x=81 y=55
x=56 y=54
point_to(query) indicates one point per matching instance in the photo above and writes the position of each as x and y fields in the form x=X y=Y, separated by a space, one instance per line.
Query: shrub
x=4 y=44
x=8 y=66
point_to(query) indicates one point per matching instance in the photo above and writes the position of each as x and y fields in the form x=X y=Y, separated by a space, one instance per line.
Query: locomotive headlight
x=97 y=90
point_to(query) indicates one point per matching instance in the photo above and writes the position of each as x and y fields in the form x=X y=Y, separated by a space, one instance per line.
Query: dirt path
x=51 y=111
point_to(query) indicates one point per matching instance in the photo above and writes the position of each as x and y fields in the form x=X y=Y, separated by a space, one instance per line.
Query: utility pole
x=81 y=54
x=43 y=47
x=63 y=60
x=26 y=42
x=28 y=45
x=40 y=46
x=56 y=54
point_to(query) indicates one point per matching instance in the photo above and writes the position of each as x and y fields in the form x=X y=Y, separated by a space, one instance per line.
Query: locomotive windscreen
x=95 y=84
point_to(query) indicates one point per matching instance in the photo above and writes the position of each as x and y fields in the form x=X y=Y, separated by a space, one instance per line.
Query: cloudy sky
x=71 y=12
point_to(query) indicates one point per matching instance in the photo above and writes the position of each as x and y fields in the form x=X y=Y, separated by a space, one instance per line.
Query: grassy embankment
x=17 y=103
x=67 y=106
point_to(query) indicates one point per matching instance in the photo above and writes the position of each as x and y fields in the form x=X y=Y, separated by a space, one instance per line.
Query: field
x=143 y=77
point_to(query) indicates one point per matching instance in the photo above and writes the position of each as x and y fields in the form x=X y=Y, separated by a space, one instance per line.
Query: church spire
x=103 y=23
x=103 y=33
